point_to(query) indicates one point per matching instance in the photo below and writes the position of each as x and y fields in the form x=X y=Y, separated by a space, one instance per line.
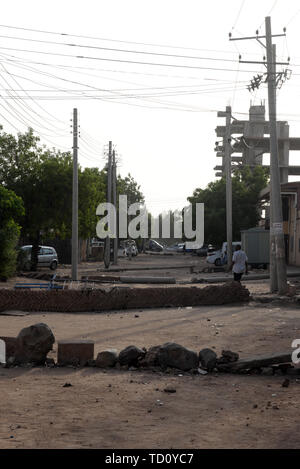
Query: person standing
x=239 y=263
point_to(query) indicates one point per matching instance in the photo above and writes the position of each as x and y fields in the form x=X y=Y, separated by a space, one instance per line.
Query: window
x=47 y=251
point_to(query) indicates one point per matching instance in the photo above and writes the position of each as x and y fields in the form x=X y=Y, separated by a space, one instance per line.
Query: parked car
x=177 y=247
x=155 y=246
x=47 y=257
x=205 y=250
x=220 y=257
x=128 y=245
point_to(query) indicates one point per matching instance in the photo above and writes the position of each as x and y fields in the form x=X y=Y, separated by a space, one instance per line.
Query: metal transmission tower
x=277 y=249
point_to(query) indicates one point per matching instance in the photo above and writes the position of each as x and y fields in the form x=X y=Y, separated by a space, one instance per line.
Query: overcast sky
x=151 y=78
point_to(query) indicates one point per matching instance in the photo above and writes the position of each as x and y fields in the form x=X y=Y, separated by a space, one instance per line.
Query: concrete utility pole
x=277 y=247
x=114 y=194
x=75 y=199
x=227 y=163
x=276 y=226
x=108 y=199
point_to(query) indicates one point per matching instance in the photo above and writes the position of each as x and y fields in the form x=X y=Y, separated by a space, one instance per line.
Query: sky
x=150 y=76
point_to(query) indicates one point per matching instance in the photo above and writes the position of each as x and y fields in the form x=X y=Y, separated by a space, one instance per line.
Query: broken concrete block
x=75 y=352
x=11 y=346
x=177 y=356
x=107 y=358
x=34 y=343
x=208 y=359
x=256 y=362
x=131 y=355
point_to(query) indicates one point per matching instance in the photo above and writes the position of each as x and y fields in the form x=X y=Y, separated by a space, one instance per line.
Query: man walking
x=239 y=263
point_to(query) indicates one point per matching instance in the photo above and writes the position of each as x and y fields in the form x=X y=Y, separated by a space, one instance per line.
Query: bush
x=11 y=208
x=9 y=235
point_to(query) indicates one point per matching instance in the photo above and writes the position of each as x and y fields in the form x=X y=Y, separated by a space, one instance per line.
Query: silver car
x=47 y=257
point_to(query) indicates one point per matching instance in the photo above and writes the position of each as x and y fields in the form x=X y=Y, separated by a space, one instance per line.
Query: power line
x=127 y=51
x=239 y=14
x=111 y=40
x=293 y=17
x=135 y=62
x=76 y=67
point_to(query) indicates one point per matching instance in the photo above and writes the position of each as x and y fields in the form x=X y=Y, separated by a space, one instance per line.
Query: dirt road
x=118 y=409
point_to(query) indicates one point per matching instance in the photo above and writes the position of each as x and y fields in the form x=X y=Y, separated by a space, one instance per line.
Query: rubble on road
x=255 y=363
x=31 y=346
x=118 y=298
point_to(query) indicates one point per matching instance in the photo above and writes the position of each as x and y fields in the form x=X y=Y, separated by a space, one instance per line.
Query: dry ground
x=119 y=409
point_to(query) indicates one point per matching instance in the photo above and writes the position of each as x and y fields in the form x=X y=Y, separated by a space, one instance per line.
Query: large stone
x=228 y=357
x=34 y=343
x=107 y=358
x=208 y=359
x=152 y=356
x=131 y=355
x=177 y=356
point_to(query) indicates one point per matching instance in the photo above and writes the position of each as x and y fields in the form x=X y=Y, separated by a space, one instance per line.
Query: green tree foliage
x=11 y=210
x=128 y=186
x=246 y=186
x=42 y=177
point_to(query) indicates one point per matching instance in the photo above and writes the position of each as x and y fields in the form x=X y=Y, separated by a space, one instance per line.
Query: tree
x=11 y=210
x=246 y=186
x=42 y=177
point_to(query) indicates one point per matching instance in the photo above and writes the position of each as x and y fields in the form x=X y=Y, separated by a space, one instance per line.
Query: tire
x=53 y=265
x=218 y=262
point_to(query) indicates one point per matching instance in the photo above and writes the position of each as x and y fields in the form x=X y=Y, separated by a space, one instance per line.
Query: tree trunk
x=35 y=251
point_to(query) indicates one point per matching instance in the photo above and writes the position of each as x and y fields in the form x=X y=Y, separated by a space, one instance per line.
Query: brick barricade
x=119 y=298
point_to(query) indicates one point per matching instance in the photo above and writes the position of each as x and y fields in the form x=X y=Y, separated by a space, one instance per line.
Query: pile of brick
x=119 y=298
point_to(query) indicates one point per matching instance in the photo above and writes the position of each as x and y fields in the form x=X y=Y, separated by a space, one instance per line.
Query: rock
x=292 y=290
x=34 y=343
x=286 y=383
x=228 y=357
x=170 y=389
x=50 y=362
x=267 y=371
x=177 y=356
x=107 y=359
x=67 y=385
x=201 y=372
x=11 y=361
x=131 y=355
x=151 y=357
x=208 y=359
x=91 y=363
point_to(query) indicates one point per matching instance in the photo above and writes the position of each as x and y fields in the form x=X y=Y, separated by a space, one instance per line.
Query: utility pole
x=276 y=226
x=277 y=248
x=114 y=194
x=227 y=164
x=108 y=199
x=75 y=199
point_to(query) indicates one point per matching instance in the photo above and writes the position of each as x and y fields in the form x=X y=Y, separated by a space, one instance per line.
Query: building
x=290 y=196
x=250 y=142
